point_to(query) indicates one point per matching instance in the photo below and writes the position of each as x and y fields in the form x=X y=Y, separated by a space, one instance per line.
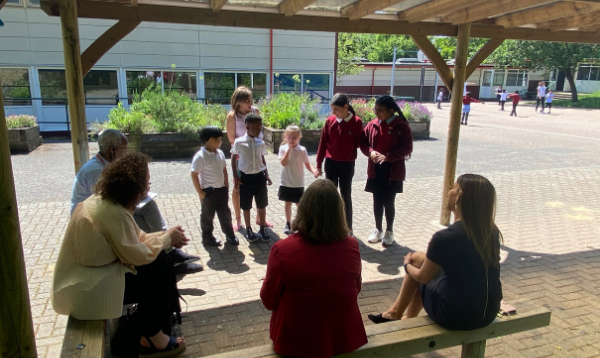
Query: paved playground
x=546 y=171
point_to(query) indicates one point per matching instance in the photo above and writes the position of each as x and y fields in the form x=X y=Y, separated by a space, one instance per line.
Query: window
x=184 y=82
x=14 y=2
x=516 y=78
x=138 y=81
x=101 y=87
x=15 y=87
x=287 y=82
x=218 y=87
x=498 y=78
x=53 y=87
x=34 y=2
x=585 y=73
x=317 y=85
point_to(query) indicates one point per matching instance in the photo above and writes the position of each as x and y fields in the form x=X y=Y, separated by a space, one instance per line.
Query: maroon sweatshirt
x=401 y=146
x=339 y=141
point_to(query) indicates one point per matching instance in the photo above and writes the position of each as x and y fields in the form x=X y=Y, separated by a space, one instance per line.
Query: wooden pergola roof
x=544 y=20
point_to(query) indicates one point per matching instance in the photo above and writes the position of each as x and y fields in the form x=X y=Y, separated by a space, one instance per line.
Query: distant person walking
x=440 y=97
x=549 y=98
x=503 y=96
x=499 y=92
x=541 y=95
x=515 y=101
x=467 y=99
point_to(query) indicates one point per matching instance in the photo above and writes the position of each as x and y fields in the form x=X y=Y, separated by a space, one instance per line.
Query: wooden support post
x=473 y=350
x=74 y=77
x=16 y=327
x=460 y=70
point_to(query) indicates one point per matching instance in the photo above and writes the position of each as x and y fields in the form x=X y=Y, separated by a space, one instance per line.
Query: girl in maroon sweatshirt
x=387 y=141
x=338 y=147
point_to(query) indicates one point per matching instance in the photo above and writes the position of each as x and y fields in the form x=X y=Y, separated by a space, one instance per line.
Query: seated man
x=113 y=145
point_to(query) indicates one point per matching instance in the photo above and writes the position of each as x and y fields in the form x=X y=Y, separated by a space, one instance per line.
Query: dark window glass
x=53 y=87
x=101 y=87
x=15 y=86
x=287 y=82
x=138 y=81
x=218 y=87
x=184 y=82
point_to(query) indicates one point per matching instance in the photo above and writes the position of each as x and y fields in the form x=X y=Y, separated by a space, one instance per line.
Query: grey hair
x=108 y=138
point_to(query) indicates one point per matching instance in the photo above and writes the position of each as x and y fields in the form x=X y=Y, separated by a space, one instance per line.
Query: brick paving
x=545 y=169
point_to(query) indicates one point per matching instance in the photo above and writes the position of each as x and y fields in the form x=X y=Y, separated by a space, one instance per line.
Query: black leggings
x=341 y=174
x=154 y=289
x=383 y=200
x=538 y=101
x=514 y=110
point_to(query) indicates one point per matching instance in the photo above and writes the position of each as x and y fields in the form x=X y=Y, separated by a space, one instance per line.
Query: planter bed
x=274 y=137
x=24 y=140
x=169 y=145
x=420 y=130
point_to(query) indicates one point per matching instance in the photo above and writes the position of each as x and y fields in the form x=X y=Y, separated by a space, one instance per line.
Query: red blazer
x=339 y=141
x=312 y=290
x=402 y=146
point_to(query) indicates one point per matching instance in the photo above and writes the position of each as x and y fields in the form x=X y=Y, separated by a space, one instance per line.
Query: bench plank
x=90 y=333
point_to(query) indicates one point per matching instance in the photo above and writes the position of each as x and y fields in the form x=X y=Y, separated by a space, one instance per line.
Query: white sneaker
x=375 y=236
x=388 y=238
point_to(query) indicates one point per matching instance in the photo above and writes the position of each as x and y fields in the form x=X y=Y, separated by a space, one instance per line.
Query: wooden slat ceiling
x=544 y=20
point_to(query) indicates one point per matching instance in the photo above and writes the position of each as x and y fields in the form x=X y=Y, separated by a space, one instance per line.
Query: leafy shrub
x=415 y=111
x=282 y=109
x=20 y=121
x=364 y=108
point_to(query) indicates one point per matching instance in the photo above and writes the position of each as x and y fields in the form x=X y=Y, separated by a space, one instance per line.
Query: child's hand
x=317 y=173
x=202 y=195
x=269 y=181
x=237 y=181
x=375 y=156
x=382 y=158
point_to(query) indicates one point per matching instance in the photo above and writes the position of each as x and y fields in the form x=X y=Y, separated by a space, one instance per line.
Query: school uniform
x=212 y=181
x=515 y=102
x=466 y=108
x=338 y=147
x=291 y=188
x=503 y=96
x=549 y=98
x=392 y=138
x=253 y=177
x=439 y=100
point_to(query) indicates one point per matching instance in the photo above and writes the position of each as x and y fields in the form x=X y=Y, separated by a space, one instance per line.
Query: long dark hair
x=340 y=100
x=477 y=213
x=390 y=103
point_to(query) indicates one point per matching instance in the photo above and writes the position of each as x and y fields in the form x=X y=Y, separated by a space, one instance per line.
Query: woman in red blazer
x=313 y=281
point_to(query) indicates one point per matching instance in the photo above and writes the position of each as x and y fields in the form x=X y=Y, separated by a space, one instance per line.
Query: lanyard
x=102 y=160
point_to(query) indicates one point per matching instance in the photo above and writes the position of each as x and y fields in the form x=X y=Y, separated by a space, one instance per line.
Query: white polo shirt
x=210 y=167
x=292 y=175
x=250 y=151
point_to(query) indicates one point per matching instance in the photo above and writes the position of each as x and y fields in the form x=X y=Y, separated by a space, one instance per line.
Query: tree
x=548 y=56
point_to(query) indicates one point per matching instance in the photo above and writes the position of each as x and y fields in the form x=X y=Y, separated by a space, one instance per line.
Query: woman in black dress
x=458 y=280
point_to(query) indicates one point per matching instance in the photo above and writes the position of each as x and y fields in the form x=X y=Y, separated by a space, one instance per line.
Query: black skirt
x=382 y=182
x=291 y=195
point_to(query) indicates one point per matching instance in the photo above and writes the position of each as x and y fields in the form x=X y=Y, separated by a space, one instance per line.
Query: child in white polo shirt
x=293 y=157
x=248 y=155
x=209 y=176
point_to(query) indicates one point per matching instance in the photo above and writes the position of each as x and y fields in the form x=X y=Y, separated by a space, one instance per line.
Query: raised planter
x=24 y=140
x=420 y=130
x=169 y=145
x=274 y=137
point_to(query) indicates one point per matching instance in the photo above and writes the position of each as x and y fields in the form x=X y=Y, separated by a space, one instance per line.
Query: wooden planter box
x=169 y=145
x=420 y=130
x=274 y=137
x=24 y=140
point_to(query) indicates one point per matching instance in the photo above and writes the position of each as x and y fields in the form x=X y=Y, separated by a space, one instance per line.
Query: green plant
x=415 y=111
x=282 y=109
x=20 y=121
x=364 y=109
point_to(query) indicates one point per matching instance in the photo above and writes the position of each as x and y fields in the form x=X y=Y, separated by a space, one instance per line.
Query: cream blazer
x=102 y=243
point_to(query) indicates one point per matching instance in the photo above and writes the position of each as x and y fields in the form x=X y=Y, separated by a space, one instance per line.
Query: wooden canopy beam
x=591 y=28
x=482 y=54
x=435 y=8
x=436 y=59
x=546 y=13
x=291 y=7
x=105 y=42
x=460 y=72
x=201 y=14
x=217 y=5
x=2 y=3
x=16 y=326
x=363 y=8
x=490 y=9
x=571 y=22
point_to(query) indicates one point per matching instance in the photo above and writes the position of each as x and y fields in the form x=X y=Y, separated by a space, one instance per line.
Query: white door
x=485 y=90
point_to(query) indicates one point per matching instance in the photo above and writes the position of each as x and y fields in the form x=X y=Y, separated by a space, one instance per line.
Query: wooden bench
x=422 y=335
x=84 y=339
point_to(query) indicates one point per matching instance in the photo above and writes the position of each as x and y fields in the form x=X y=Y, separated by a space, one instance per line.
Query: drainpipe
x=373 y=82
x=335 y=64
x=271 y=61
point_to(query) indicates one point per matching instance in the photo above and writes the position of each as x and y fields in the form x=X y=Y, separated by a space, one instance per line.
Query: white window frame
x=235 y=78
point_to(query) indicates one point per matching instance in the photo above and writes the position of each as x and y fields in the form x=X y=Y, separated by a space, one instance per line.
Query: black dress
x=460 y=297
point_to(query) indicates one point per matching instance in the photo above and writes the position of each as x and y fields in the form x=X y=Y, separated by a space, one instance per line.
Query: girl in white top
x=241 y=105
x=293 y=157
x=541 y=95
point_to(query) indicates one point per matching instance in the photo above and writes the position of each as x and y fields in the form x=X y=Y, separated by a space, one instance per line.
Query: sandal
x=172 y=349
x=377 y=319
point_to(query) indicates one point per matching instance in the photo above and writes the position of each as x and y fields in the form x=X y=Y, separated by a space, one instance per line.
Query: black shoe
x=188 y=268
x=233 y=241
x=288 y=229
x=179 y=256
x=212 y=242
x=264 y=235
x=377 y=319
x=250 y=235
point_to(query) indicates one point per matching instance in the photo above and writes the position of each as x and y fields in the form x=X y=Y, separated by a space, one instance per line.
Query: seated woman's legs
x=409 y=300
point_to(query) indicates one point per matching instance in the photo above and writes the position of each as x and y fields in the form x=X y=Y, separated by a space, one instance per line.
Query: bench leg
x=473 y=350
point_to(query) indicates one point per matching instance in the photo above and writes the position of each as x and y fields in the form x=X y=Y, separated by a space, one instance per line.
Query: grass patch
x=585 y=101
